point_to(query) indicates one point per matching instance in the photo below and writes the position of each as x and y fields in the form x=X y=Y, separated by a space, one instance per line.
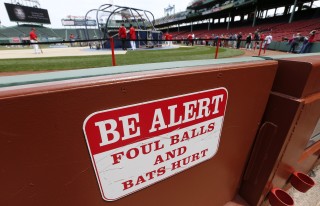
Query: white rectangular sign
x=138 y=145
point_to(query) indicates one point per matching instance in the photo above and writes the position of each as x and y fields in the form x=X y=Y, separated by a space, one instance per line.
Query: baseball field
x=14 y=60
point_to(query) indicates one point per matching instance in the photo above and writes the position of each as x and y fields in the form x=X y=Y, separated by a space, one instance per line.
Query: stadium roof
x=238 y=7
x=261 y=3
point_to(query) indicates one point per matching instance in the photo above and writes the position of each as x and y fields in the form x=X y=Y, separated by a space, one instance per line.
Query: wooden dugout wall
x=45 y=159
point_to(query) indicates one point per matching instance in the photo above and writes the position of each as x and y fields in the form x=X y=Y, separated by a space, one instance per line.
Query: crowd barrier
x=205 y=132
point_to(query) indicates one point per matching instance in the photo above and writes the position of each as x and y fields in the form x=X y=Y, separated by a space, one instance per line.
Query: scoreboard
x=19 y=13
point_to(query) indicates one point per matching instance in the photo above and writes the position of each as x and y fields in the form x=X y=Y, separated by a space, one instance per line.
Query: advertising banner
x=78 y=22
x=82 y=22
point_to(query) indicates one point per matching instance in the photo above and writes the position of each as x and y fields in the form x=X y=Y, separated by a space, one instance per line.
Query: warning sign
x=135 y=146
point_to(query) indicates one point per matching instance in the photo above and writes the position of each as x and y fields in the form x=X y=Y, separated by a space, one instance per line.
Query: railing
x=214 y=42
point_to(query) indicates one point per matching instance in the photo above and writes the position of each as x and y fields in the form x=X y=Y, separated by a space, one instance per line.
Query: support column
x=229 y=19
x=191 y=26
x=293 y=11
x=255 y=17
x=208 y=24
x=286 y=10
x=265 y=16
x=178 y=28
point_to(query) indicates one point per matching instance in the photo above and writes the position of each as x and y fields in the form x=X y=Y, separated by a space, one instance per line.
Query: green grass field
x=132 y=57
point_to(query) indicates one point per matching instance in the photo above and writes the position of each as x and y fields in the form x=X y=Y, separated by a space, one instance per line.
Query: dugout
x=199 y=118
x=288 y=138
x=285 y=46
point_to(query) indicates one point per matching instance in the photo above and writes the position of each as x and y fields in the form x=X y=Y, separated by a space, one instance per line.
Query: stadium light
x=169 y=9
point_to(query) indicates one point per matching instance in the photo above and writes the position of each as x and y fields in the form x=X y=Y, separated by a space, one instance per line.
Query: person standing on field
x=34 y=39
x=256 y=38
x=310 y=40
x=133 y=37
x=193 y=37
x=166 y=37
x=294 y=43
x=268 y=41
x=234 y=40
x=239 y=38
x=248 y=41
x=72 y=38
x=123 y=36
x=189 y=40
x=170 y=39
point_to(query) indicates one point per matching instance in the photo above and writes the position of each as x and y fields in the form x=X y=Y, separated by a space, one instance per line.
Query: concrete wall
x=284 y=46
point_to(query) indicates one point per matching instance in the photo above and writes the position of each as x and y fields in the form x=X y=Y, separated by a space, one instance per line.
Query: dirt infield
x=256 y=53
x=54 y=52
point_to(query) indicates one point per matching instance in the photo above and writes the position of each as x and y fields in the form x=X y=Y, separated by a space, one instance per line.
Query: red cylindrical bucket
x=278 y=197
x=301 y=181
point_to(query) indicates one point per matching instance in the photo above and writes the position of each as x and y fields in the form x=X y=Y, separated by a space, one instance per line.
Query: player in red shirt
x=71 y=38
x=190 y=39
x=170 y=39
x=133 y=37
x=123 y=36
x=34 y=39
x=166 y=37
x=307 y=47
x=262 y=36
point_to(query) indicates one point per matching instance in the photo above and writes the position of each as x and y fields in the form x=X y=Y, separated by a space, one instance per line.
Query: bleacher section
x=10 y=32
x=242 y=16
x=278 y=30
x=45 y=34
x=302 y=26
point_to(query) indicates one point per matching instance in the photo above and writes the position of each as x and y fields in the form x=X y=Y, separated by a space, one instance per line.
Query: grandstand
x=21 y=32
x=208 y=17
x=279 y=30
